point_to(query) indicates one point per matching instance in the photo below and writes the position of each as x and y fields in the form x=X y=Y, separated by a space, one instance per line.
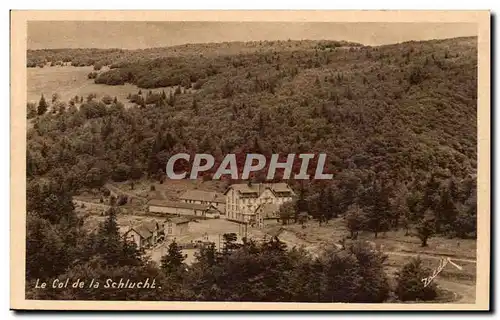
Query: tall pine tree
x=173 y=261
x=42 y=106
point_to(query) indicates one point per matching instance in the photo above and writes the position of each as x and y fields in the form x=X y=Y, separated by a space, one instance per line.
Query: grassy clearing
x=170 y=189
x=69 y=81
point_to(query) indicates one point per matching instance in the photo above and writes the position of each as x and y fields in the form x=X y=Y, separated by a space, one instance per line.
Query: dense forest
x=398 y=123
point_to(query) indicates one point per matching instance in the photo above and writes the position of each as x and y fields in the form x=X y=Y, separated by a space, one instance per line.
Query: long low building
x=218 y=200
x=183 y=209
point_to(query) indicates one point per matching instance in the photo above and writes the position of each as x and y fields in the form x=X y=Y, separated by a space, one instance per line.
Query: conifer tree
x=409 y=282
x=173 y=261
x=42 y=106
x=194 y=106
x=31 y=110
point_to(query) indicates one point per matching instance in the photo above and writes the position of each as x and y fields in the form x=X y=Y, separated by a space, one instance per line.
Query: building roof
x=141 y=231
x=145 y=229
x=281 y=187
x=180 y=205
x=178 y=220
x=151 y=225
x=200 y=195
x=256 y=189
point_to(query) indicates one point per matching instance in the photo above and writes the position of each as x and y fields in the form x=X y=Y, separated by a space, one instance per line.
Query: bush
x=93 y=109
x=105 y=192
x=112 y=77
x=121 y=173
x=198 y=84
x=135 y=173
x=31 y=110
x=409 y=283
x=107 y=99
x=153 y=98
x=135 y=98
x=122 y=200
x=417 y=75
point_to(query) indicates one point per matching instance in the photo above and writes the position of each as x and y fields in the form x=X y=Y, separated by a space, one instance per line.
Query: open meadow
x=69 y=81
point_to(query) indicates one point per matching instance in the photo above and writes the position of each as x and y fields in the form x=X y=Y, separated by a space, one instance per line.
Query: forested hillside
x=398 y=123
x=89 y=57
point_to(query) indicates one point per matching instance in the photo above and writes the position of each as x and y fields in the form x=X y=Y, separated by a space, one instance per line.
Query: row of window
x=199 y=202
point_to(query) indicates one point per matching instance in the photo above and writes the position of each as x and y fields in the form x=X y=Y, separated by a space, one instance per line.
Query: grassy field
x=170 y=189
x=69 y=81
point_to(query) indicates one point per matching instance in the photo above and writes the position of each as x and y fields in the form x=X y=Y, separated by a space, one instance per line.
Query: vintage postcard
x=250 y=160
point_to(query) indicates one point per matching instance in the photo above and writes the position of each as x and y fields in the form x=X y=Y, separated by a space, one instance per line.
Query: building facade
x=216 y=199
x=266 y=214
x=144 y=235
x=176 y=226
x=242 y=200
x=183 y=209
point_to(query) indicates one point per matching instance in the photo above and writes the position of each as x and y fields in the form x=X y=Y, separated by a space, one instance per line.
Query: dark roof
x=200 y=195
x=256 y=189
x=145 y=229
x=141 y=231
x=181 y=205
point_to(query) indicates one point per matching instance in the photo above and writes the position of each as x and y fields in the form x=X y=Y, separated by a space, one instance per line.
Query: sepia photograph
x=329 y=160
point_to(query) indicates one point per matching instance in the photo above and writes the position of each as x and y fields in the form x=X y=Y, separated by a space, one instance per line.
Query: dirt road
x=464 y=292
x=430 y=256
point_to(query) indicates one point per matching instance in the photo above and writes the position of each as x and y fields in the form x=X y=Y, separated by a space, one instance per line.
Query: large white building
x=242 y=200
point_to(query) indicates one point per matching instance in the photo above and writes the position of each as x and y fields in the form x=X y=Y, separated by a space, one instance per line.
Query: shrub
x=93 y=109
x=121 y=173
x=122 y=200
x=112 y=77
x=107 y=99
x=105 y=192
x=417 y=75
x=135 y=98
x=31 y=110
x=153 y=98
x=409 y=283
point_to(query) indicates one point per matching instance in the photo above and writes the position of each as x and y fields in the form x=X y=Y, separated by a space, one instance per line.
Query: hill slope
x=402 y=115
